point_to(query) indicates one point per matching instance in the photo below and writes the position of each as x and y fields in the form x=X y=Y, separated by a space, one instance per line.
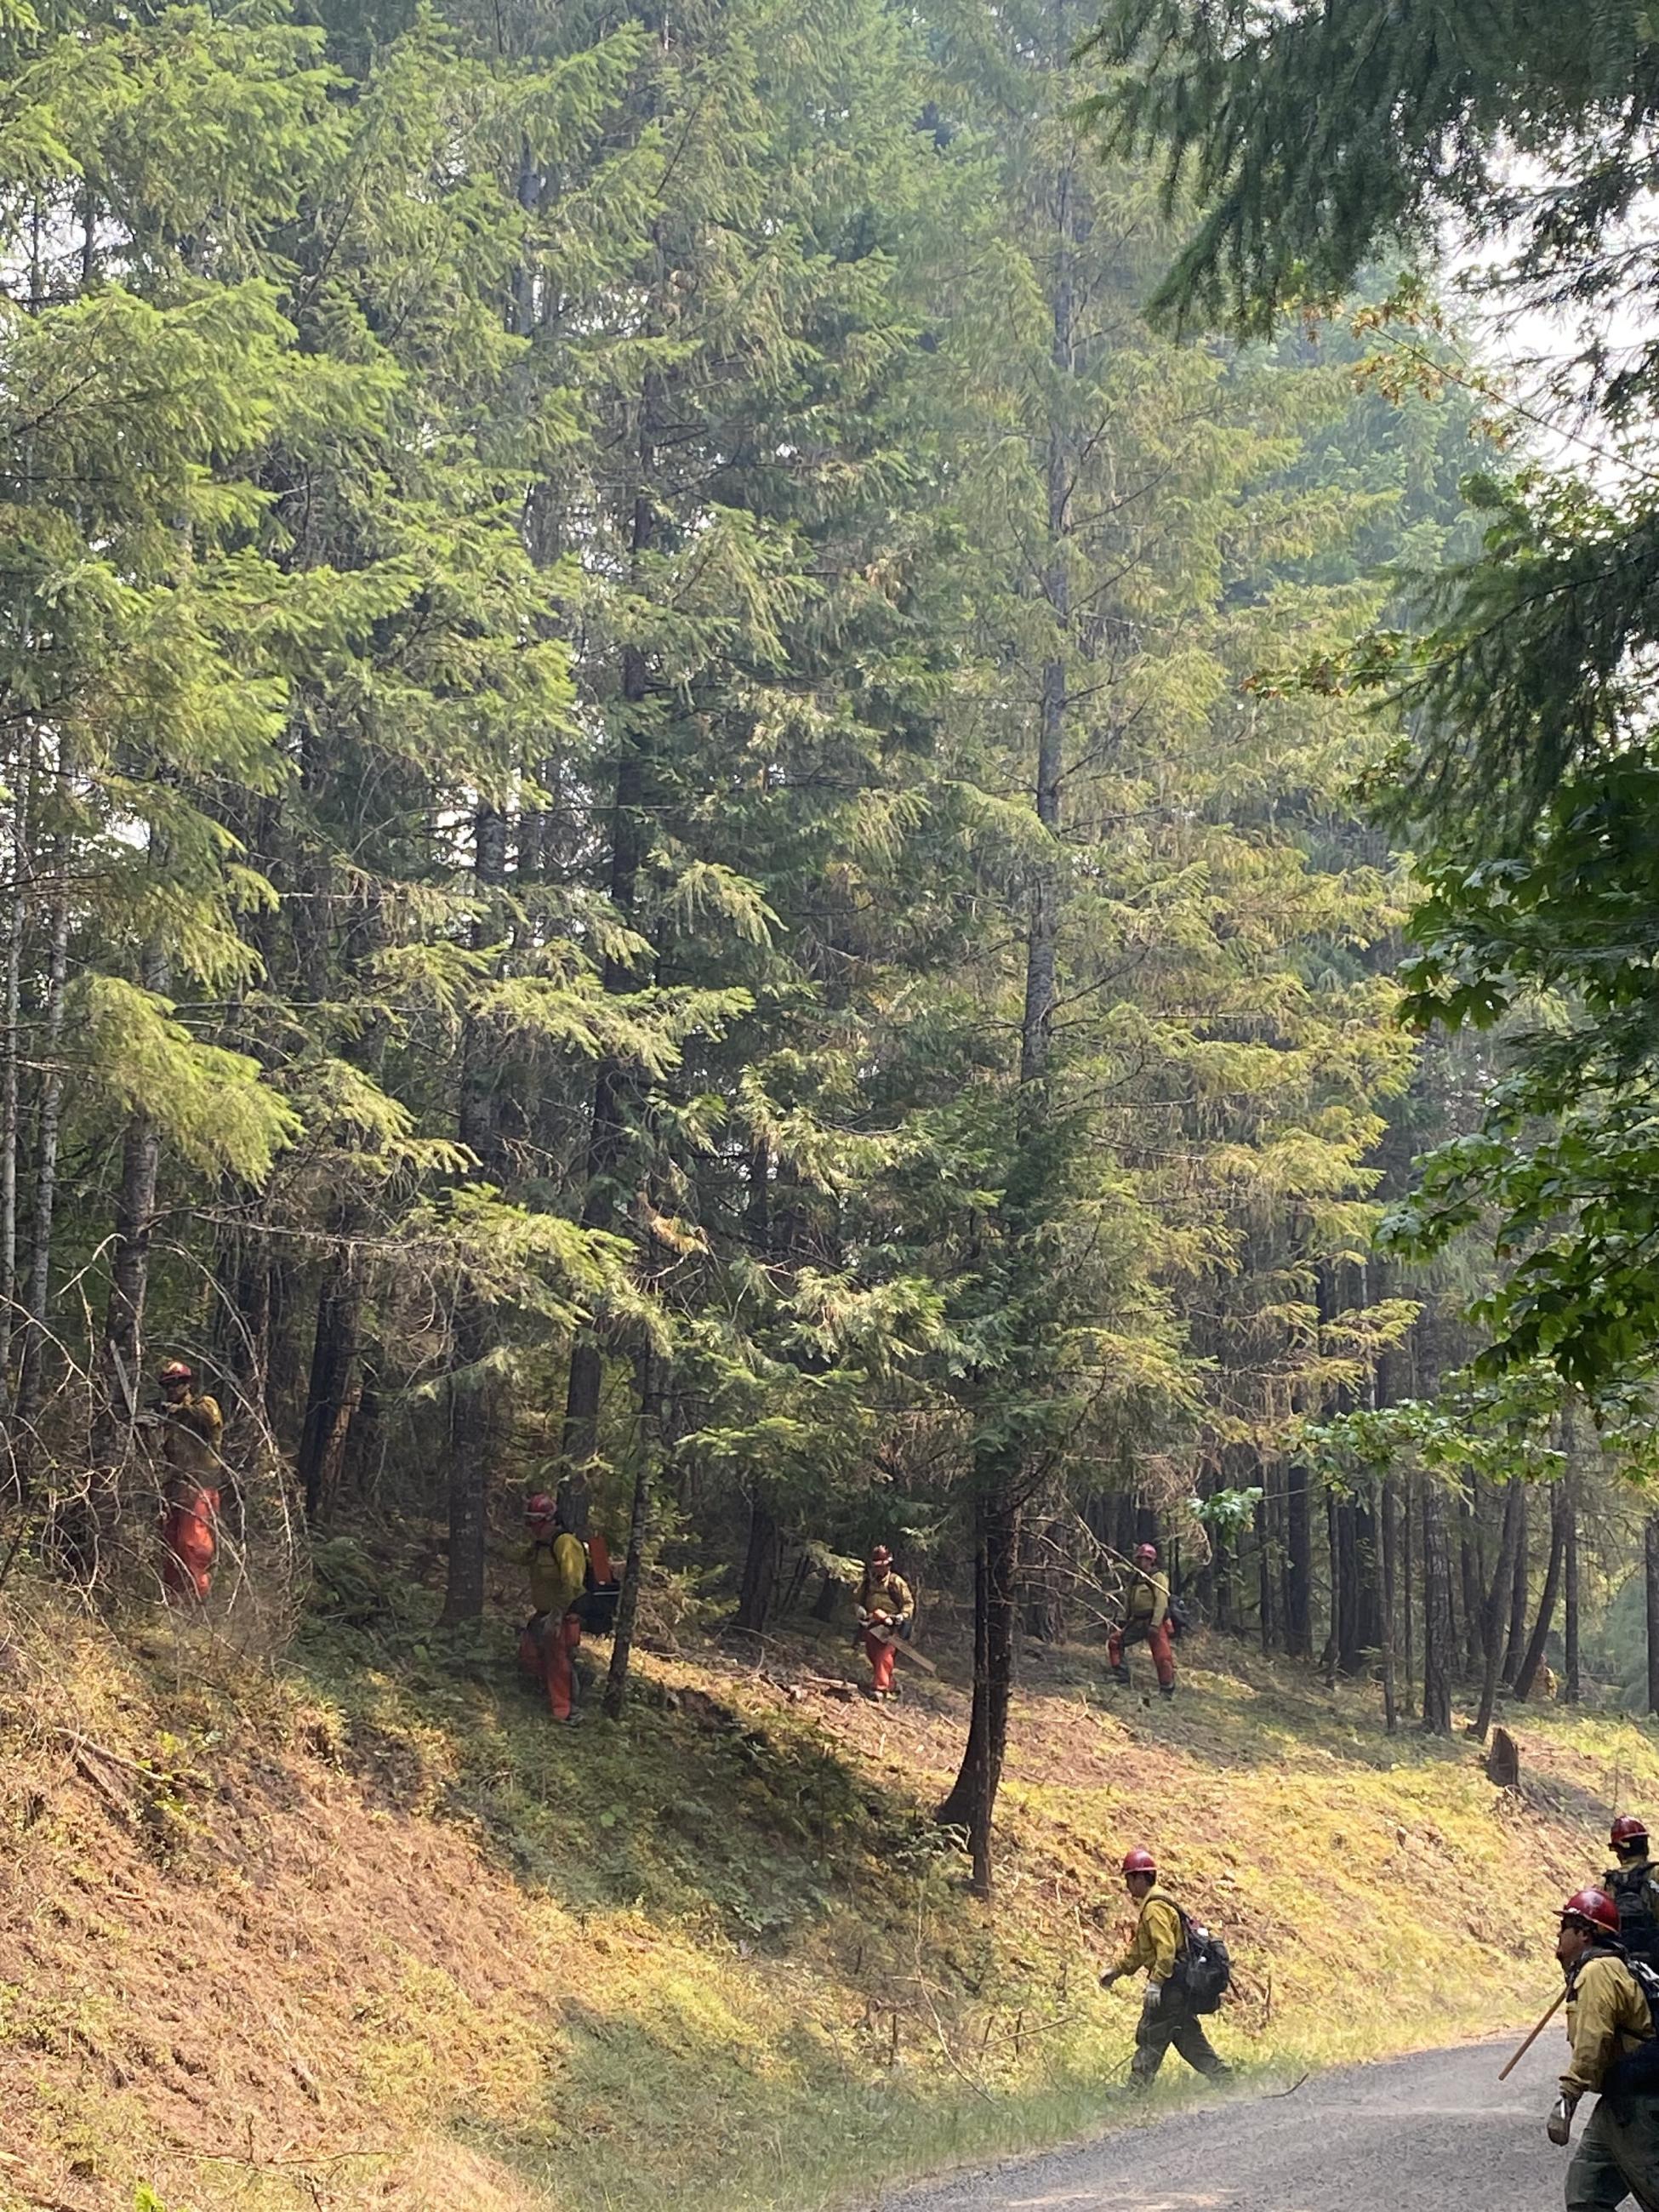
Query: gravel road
x=1436 y=2133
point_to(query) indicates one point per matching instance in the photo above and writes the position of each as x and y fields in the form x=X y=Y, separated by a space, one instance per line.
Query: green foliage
x=634 y=732
x=1312 y=134
x=1317 y=137
x=1498 y=1432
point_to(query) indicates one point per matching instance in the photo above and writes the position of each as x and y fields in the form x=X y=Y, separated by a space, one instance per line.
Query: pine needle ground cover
x=360 y=1930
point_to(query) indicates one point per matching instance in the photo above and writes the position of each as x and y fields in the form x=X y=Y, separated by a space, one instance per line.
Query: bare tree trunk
x=1298 y=1564
x=1477 y=1613
x=1356 y=1624
x=1502 y=1582
x=471 y=1391
x=1000 y=1476
x=11 y=1007
x=760 y=1566
x=972 y=1802
x=1650 y=1548
x=1534 y=1659
x=585 y=1384
x=1386 y=1509
x=1438 y=1633
x=335 y=1385
x=48 y=1127
x=1516 y=1642
x=1572 y=1687
x=1264 y=1565
x=639 y=1530
x=1408 y=1518
x=472 y=1439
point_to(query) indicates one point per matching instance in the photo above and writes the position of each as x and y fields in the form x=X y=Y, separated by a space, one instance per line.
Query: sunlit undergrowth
x=362 y=1929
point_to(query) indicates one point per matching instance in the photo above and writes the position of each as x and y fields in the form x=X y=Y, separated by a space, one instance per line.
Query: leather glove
x=1154 y=1996
x=1558 y=2126
x=1109 y=1977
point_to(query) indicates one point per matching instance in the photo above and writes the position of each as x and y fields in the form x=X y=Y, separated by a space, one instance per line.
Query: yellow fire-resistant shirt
x=1157 y=1938
x=190 y=1444
x=887 y=1594
x=1606 y=2016
x=557 y=1571
x=1149 y=1599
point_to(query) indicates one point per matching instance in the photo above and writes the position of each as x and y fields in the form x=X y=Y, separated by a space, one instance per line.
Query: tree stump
x=1504 y=1761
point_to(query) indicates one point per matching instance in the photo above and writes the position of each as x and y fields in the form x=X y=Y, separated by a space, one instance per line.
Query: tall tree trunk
x=1368 y=1583
x=1298 y=1564
x=1650 y=1550
x=760 y=1566
x=1266 y=1619
x=1357 y=1622
x=245 y=1268
x=1532 y=1659
x=1386 y=1509
x=1572 y=1687
x=335 y=1386
x=1408 y=1518
x=470 y=1448
x=971 y=1804
x=1514 y=1643
x=1437 y=1630
x=49 y=1119
x=1502 y=1582
x=120 y=1363
x=639 y=1531
x=607 y=1121
x=11 y=1008
x=999 y=1483
x=1334 y=1564
x=1477 y=1612
x=471 y=1393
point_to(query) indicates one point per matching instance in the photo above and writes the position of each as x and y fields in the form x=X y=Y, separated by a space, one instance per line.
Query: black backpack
x=1638 y=1931
x=1179 y=1619
x=595 y=1608
x=1637 y=2073
x=1204 y=1969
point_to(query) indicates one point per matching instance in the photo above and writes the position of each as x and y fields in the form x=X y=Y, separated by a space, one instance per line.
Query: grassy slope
x=363 y=1931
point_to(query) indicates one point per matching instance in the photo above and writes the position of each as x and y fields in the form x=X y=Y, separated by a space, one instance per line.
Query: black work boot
x=1167 y=1689
x=1121 y=1676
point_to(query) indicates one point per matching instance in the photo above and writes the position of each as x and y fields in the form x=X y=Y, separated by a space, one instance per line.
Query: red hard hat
x=1139 y=1860
x=880 y=1555
x=541 y=1507
x=1146 y=1552
x=1595 y=1907
x=1627 y=1829
x=175 y=1370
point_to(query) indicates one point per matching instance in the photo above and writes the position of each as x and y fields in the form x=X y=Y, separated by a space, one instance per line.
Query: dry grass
x=363 y=1931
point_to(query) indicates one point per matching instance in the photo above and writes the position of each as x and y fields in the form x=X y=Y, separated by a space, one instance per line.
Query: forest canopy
x=648 y=855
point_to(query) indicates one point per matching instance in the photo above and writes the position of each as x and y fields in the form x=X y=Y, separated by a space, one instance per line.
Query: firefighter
x=1166 y=2017
x=1608 y=2027
x=1147 y=1620
x=191 y=1426
x=886 y=1609
x=1634 y=1886
x=557 y=1566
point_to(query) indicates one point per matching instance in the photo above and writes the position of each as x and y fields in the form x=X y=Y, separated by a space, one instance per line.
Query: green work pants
x=1617 y=2157
x=1171 y=2021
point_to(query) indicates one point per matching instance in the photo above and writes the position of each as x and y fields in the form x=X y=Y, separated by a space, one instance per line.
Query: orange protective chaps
x=1156 y=1641
x=546 y=1650
x=881 y=1654
x=188 y=1543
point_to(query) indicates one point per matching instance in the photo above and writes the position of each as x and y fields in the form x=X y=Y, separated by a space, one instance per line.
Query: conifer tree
x=1315 y=137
